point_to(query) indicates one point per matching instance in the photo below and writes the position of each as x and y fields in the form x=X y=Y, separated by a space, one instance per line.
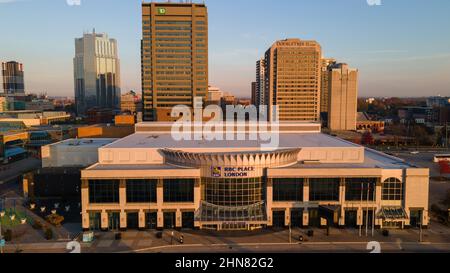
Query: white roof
x=286 y=140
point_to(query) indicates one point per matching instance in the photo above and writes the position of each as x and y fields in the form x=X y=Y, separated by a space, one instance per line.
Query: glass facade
x=141 y=191
x=104 y=191
x=392 y=189
x=354 y=187
x=178 y=190
x=232 y=192
x=324 y=189
x=288 y=189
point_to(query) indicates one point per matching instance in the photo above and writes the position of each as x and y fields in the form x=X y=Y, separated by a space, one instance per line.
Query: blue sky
x=402 y=48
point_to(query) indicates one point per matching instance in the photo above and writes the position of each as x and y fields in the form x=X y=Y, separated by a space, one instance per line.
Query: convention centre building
x=149 y=180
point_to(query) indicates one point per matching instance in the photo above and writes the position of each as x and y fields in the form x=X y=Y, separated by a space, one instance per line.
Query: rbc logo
x=374 y=2
x=73 y=2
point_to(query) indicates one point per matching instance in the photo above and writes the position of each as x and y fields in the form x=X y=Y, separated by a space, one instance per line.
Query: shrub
x=37 y=225
x=7 y=235
x=48 y=234
x=55 y=219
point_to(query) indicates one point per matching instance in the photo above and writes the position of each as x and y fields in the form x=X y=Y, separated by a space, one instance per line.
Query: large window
x=104 y=191
x=233 y=192
x=178 y=190
x=324 y=189
x=141 y=191
x=392 y=189
x=355 y=186
x=287 y=189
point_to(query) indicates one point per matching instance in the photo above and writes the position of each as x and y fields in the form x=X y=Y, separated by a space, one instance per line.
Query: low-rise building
x=152 y=180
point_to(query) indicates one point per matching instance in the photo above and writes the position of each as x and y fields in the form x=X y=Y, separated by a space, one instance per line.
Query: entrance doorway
x=314 y=218
x=169 y=220
x=187 y=220
x=297 y=217
x=94 y=220
x=113 y=221
x=151 y=220
x=415 y=217
x=351 y=218
x=132 y=220
x=278 y=218
x=367 y=218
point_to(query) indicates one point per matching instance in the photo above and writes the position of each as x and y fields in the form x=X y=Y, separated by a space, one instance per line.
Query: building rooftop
x=85 y=142
x=286 y=140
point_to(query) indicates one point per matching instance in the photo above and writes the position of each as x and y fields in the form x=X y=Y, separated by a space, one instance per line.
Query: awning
x=393 y=213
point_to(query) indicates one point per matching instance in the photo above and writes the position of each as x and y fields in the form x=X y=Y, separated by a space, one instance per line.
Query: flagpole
x=367 y=211
x=360 y=225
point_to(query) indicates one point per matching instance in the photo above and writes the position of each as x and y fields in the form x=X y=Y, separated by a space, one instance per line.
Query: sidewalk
x=134 y=240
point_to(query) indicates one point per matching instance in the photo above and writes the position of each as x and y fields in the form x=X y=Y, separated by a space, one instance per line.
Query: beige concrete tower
x=293 y=68
x=343 y=90
x=174 y=55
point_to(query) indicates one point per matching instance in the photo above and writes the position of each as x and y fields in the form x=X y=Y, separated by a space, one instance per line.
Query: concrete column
x=378 y=195
x=287 y=217
x=160 y=220
x=122 y=194
x=25 y=186
x=123 y=220
x=342 y=191
x=178 y=219
x=160 y=193
x=104 y=220
x=306 y=190
x=305 y=217
x=425 y=218
x=342 y=201
x=197 y=193
x=269 y=200
x=85 y=203
x=342 y=218
x=85 y=220
x=359 y=217
x=141 y=219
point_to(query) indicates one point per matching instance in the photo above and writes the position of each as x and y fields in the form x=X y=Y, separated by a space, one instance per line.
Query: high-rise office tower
x=174 y=54
x=12 y=75
x=324 y=86
x=292 y=79
x=254 y=96
x=96 y=72
x=343 y=92
x=260 y=76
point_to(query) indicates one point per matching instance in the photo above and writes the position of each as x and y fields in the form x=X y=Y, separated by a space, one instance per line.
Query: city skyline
x=392 y=57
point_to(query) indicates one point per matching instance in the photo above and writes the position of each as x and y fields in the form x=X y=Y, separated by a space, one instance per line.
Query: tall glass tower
x=96 y=72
